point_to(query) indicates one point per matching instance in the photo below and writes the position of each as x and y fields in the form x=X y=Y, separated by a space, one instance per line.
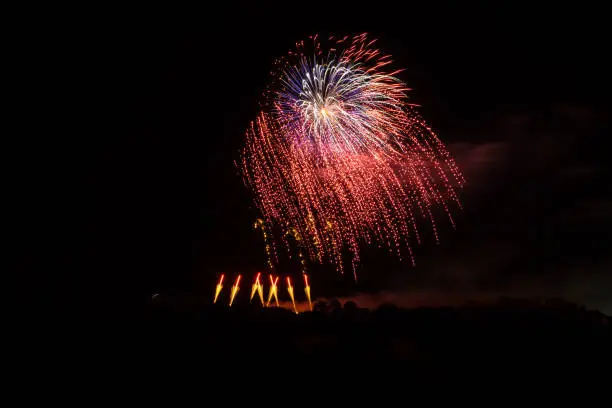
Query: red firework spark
x=338 y=155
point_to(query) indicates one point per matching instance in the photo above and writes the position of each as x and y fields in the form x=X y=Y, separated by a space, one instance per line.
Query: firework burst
x=340 y=158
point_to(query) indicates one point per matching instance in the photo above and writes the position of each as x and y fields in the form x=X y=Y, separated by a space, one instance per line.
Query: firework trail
x=235 y=290
x=307 y=291
x=290 y=290
x=218 y=288
x=298 y=239
x=254 y=287
x=268 y=244
x=340 y=156
x=257 y=287
x=260 y=293
x=273 y=293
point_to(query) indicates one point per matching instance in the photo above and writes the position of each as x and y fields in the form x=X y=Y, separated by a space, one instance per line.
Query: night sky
x=131 y=189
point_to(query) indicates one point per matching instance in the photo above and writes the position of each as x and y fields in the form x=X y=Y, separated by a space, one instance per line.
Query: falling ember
x=307 y=291
x=218 y=288
x=340 y=155
x=235 y=290
x=290 y=290
x=257 y=287
x=268 y=244
x=273 y=291
x=296 y=235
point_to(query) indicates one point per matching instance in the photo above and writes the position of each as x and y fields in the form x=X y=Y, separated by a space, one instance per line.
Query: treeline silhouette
x=517 y=339
x=503 y=335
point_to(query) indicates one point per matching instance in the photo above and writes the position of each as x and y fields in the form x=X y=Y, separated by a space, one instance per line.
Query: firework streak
x=307 y=291
x=235 y=290
x=273 y=293
x=339 y=155
x=290 y=290
x=218 y=288
x=257 y=288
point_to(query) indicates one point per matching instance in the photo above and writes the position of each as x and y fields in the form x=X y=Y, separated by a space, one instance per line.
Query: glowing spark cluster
x=258 y=287
x=338 y=157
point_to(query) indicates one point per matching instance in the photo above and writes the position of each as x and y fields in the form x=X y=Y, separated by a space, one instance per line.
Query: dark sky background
x=134 y=190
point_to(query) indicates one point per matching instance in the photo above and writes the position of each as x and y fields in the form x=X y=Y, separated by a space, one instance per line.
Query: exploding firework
x=340 y=158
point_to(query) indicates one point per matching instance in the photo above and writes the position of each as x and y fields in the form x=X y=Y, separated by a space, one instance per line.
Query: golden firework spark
x=307 y=291
x=218 y=288
x=298 y=239
x=273 y=291
x=257 y=287
x=261 y=295
x=268 y=243
x=254 y=288
x=235 y=290
x=290 y=290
